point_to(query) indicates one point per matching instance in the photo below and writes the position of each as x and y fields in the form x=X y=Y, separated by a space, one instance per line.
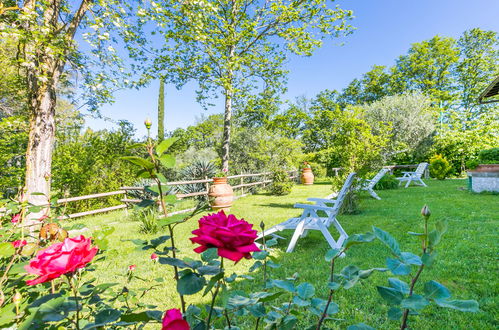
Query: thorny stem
x=415 y=278
x=331 y=291
x=165 y=214
x=264 y=272
x=214 y=295
x=75 y=293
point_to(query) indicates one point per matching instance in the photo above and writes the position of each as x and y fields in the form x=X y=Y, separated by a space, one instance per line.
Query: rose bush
x=61 y=258
x=234 y=239
x=173 y=320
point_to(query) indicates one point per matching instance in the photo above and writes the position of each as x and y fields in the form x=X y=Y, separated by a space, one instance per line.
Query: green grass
x=466 y=264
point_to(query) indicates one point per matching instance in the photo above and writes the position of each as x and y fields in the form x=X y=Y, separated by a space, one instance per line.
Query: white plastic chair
x=415 y=176
x=310 y=219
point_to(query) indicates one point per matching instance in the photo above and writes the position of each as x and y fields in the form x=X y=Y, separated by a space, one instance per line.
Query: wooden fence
x=241 y=186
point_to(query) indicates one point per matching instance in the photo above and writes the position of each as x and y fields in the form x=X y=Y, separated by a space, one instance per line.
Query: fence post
x=241 y=183
x=207 y=185
x=125 y=196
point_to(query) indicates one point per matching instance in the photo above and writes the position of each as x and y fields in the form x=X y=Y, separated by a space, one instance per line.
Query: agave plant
x=200 y=169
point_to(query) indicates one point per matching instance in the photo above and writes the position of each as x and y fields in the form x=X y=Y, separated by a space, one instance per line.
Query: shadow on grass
x=283 y=206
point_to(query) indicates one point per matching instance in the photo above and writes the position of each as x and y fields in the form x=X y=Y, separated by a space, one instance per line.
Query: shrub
x=281 y=184
x=387 y=182
x=198 y=170
x=439 y=167
x=351 y=202
x=489 y=156
x=318 y=169
x=472 y=164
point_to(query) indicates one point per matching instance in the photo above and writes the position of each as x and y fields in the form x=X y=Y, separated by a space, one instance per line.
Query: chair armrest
x=408 y=172
x=322 y=200
x=313 y=207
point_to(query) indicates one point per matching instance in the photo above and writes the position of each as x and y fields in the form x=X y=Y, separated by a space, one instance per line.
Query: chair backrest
x=377 y=177
x=344 y=190
x=420 y=169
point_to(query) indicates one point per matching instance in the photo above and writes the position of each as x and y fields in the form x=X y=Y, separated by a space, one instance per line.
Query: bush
x=489 y=156
x=281 y=184
x=319 y=170
x=439 y=167
x=351 y=203
x=472 y=164
x=387 y=182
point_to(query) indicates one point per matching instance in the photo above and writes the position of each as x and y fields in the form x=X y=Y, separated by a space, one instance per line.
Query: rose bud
x=17 y=298
x=131 y=268
x=173 y=320
x=154 y=257
x=425 y=212
x=19 y=243
x=16 y=218
x=148 y=123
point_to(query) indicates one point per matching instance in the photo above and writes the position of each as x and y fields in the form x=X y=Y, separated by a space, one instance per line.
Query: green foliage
x=341 y=138
x=13 y=143
x=258 y=150
x=80 y=159
x=409 y=120
x=281 y=184
x=319 y=170
x=388 y=181
x=439 y=167
x=351 y=203
x=148 y=218
x=161 y=111
x=489 y=156
x=400 y=295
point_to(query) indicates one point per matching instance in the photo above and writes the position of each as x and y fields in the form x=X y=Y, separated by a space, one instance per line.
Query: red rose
x=61 y=258
x=131 y=268
x=19 y=243
x=16 y=218
x=233 y=238
x=154 y=257
x=173 y=320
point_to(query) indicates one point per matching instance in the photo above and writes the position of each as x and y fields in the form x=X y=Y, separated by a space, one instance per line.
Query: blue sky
x=385 y=29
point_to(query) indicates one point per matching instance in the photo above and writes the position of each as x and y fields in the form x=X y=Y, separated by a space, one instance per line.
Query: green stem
x=214 y=295
x=74 y=288
x=331 y=291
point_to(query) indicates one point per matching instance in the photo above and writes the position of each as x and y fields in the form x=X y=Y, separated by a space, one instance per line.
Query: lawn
x=466 y=264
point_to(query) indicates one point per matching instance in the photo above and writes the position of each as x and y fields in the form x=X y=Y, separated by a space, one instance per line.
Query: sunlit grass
x=467 y=261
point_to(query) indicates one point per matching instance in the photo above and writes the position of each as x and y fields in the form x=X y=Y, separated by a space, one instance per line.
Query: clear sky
x=385 y=29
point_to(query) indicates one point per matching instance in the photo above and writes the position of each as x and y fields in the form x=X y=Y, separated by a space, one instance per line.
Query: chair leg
x=327 y=236
x=296 y=235
x=373 y=194
x=305 y=233
x=422 y=183
x=408 y=183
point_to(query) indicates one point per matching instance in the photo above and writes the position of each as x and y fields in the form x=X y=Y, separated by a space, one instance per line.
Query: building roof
x=490 y=91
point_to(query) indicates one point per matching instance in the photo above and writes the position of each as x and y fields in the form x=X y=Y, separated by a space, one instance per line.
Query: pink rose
x=154 y=257
x=19 y=243
x=233 y=238
x=131 y=268
x=16 y=218
x=61 y=258
x=173 y=320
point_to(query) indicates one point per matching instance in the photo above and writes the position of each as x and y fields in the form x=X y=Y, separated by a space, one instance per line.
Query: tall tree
x=47 y=51
x=161 y=111
x=233 y=47
x=427 y=67
x=478 y=64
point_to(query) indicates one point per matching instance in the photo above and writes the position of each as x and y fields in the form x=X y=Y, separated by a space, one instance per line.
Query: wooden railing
x=241 y=185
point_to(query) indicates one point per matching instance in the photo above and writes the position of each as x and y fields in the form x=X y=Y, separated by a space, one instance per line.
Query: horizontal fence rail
x=241 y=185
x=128 y=201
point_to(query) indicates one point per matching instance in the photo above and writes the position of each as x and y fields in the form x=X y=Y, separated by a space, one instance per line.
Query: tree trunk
x=41 y=140
x=161 y=111
x=226 y=133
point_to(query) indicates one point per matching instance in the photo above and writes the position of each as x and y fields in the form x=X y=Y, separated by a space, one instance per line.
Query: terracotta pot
x=307 y=177
x=487 y=168
x=220 y=195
